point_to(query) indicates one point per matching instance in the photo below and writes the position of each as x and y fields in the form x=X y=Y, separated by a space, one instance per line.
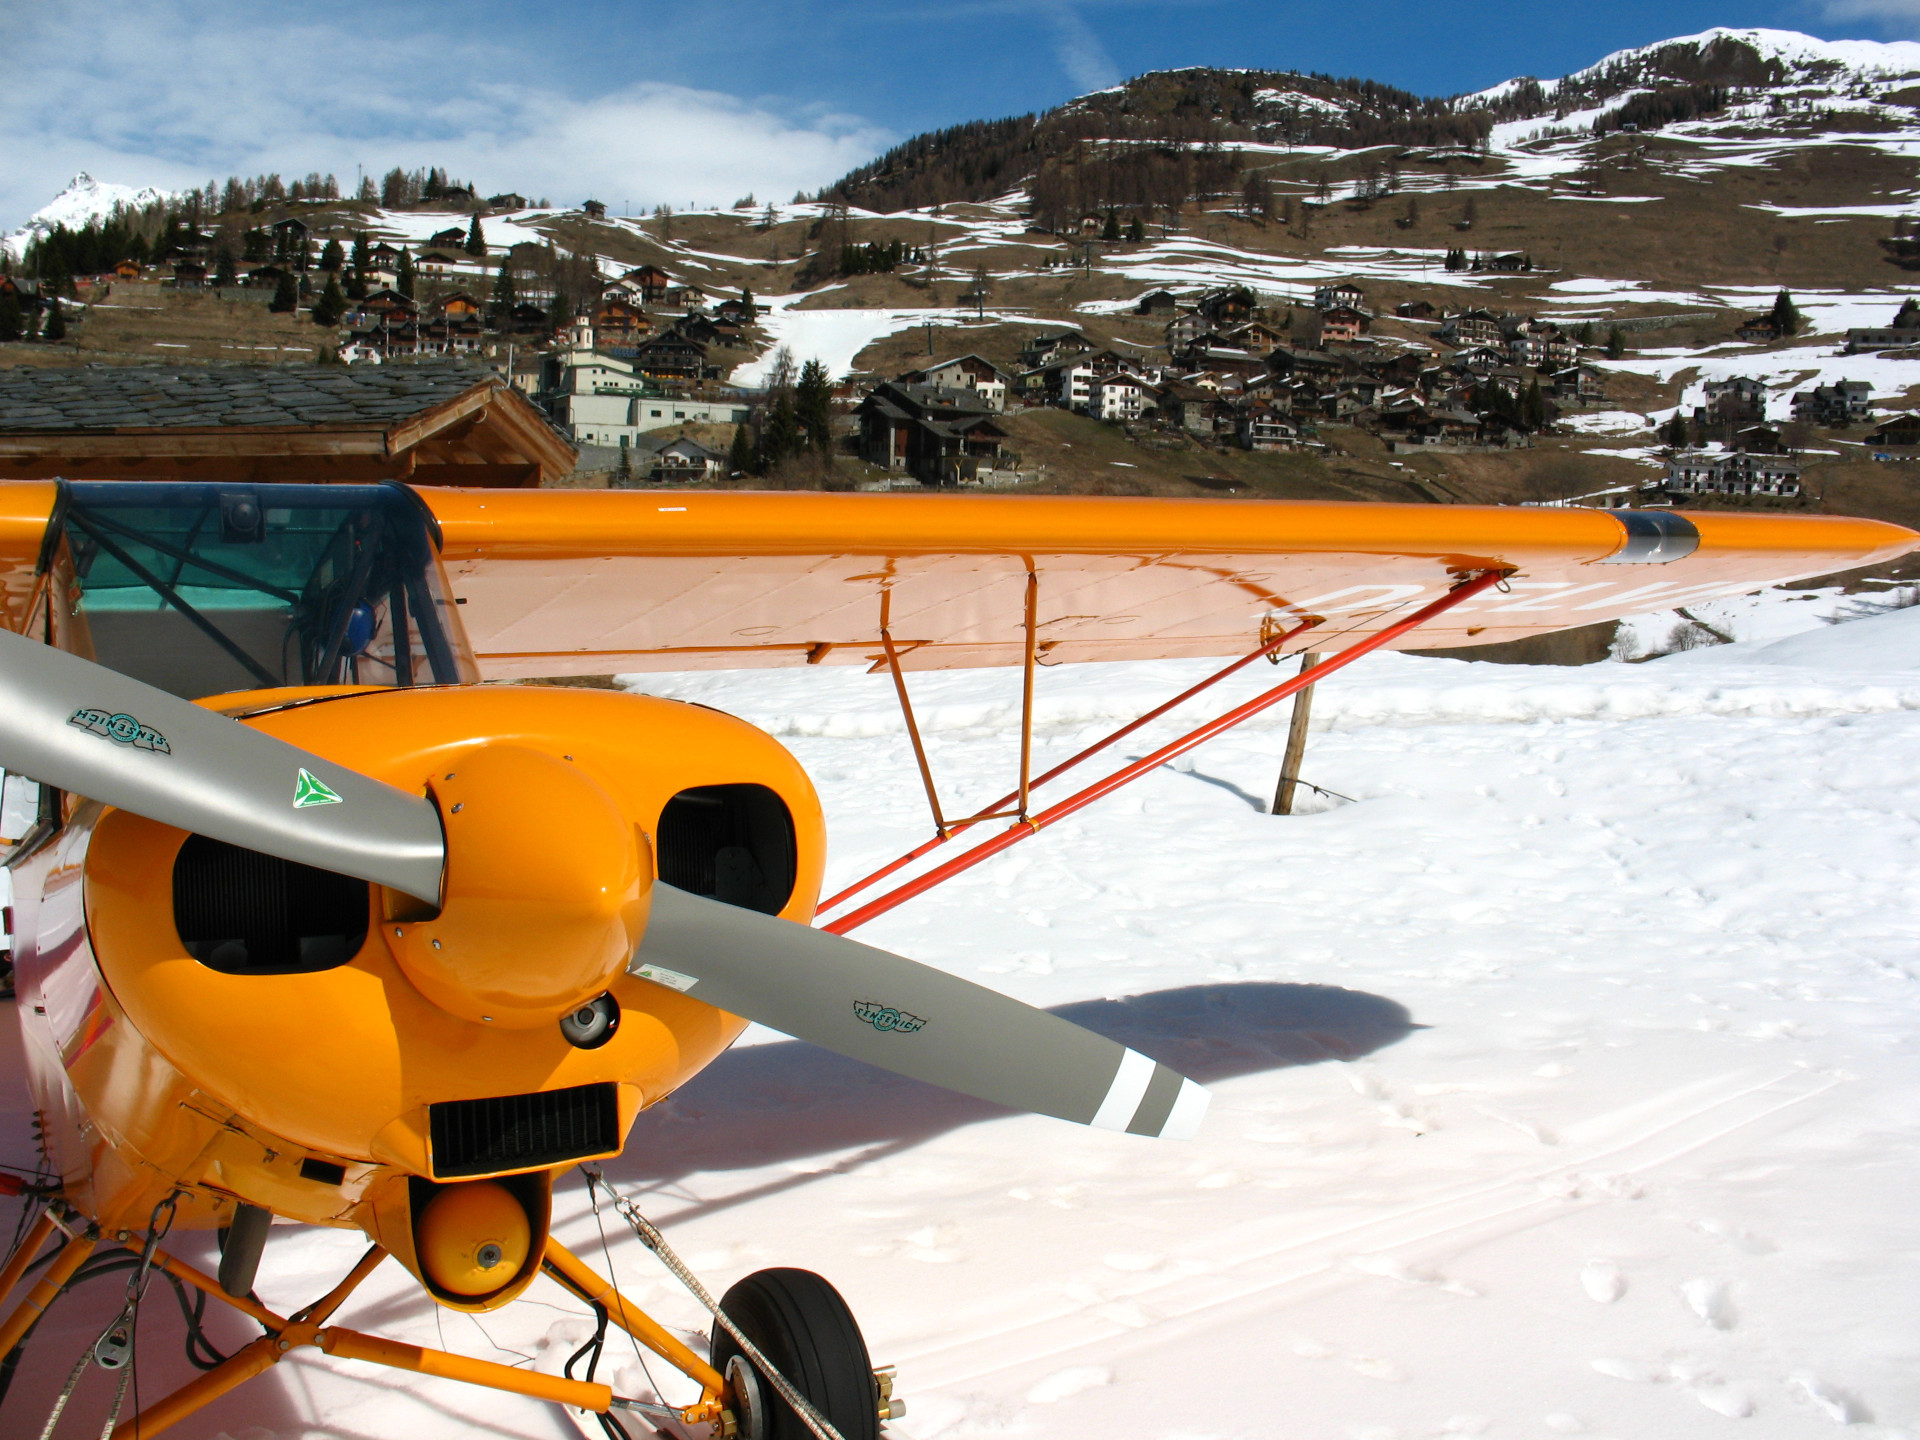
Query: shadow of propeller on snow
x=786 y=1102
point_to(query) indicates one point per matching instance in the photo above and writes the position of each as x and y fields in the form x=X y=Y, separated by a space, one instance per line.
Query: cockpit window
x=200 y=589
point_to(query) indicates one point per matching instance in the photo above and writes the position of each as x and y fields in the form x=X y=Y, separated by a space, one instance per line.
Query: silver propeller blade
x=83 y=728
x=909 y=1018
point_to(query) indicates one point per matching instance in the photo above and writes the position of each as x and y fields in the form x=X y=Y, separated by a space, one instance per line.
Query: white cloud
x=181 y=91
x=1078 y=49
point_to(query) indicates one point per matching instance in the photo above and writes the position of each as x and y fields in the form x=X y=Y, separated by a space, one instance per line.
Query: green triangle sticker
x=309 y=790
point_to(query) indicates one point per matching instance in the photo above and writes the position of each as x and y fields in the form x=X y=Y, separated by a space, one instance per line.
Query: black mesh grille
x=523 y=1132
x=252 y=914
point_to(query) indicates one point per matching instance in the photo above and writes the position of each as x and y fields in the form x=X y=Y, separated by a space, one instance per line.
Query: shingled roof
x=439 y=422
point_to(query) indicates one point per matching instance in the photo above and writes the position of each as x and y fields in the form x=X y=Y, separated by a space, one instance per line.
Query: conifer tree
x=1616 y=343
x=1136 y=232
x=331 y=305
x=813 y=407
x=747 y=305
x=1111 y=230
x=403 y=280
x=55 y=327
x=500 y=305
x=1786 y=317
x=476 y=242
x=286 y=295
x=332 y=256
x=224 y=271
x=357 y=267
x=740 y=454
x=12 y=320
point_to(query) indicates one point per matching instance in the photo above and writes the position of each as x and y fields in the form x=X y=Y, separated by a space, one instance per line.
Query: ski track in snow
x=1562 y=1081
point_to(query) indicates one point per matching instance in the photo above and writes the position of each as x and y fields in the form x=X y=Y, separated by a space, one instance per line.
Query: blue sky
x=644 y=101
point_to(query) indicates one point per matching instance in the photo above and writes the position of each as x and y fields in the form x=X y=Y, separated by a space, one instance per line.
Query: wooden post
x=1296 y=741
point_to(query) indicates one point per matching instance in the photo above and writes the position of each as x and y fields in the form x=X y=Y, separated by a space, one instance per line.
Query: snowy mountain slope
x=1562 y=1082
x=84 y=200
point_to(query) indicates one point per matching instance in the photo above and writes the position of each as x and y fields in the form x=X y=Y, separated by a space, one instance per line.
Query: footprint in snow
x=1728 y=1400
x=1602 y=1281
x=1837 y=1405
x=1626 y=1370
x=1063 y=1384
x=1709 y=1300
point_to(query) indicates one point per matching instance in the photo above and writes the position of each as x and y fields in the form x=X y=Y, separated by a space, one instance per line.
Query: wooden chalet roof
x=437 y=423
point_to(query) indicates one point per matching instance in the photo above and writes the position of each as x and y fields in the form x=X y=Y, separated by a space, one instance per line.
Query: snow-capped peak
x=84 y=199
x=1800 y=55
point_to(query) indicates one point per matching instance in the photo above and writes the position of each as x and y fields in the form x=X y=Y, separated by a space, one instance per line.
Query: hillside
x=1760 y=160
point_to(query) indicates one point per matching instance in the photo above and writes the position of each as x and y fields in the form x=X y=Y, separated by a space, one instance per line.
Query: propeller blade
x=906 y=1017
x=81 y=727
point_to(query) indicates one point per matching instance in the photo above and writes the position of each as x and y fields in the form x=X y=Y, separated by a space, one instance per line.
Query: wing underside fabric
x=580 y=582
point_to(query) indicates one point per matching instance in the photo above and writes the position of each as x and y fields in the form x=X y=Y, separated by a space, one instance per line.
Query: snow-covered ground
x=1563 y=1073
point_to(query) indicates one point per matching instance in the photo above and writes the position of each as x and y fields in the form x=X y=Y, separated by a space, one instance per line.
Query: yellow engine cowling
x=360 y=1068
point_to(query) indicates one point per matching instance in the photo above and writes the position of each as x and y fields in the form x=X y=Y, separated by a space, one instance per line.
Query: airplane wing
x=571 y=582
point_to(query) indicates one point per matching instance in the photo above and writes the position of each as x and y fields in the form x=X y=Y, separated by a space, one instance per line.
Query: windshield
x=202 y=589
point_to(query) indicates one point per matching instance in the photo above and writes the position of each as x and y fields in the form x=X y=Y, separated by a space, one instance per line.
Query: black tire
x=800 y=1323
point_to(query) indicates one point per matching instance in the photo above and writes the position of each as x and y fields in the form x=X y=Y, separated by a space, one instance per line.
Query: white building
x=1118 y=397
x=599 y=400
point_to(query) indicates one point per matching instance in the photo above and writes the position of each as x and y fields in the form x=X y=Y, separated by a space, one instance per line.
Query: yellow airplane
x=314 y=924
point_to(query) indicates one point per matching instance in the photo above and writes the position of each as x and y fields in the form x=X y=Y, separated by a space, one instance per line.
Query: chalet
x=294 y=228
x=1157 y=302
x=1739 y=401
x=617 y=322
x=652 y=280
x=383 y=256
x=1223 y=360
x=1841 y=403
x=1759 y=440
x=1329 y=297
x=388 y=304
x=1513 y=263
x=736 y=311
x=458 y=195
x=508 y=201
x=1336 y=324
x=670 y=357
x=1255 y=337
x=525 y=319
x=1739 y=474
x=1231 y=305
x=128 y=270
x=1582 y=384
x=1471 y=327
x=1119 y=397
x=1417 y=310
x=1316 y=365
x=1541 y=347
x=1261 y=427
x=456 y=305
x=445 y=423
x=686 y=298
x=600 y=399
x=1189 y=407
x=1900 y=430
x=1760 y=329
x=1904 y=331
x=1045 y=349
x=702 y=330
x=1066 y=383
x=967 y=372
x=594 y=209
x=264 y=277
x=435 y=263
x=943 y=437
x=1476 y=360
x=683 y=461
x=189 y=275
x=452 y=238
x=1186 y=328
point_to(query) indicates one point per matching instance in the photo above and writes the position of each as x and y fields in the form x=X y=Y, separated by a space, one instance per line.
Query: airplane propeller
x=83 y=728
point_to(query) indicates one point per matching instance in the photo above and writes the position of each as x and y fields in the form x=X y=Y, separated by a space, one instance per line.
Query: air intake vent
x=251 y=914
x=522 y=1132
x=732 y=843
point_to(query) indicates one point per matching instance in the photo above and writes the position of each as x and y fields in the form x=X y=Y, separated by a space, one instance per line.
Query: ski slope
x=1563 y=1071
